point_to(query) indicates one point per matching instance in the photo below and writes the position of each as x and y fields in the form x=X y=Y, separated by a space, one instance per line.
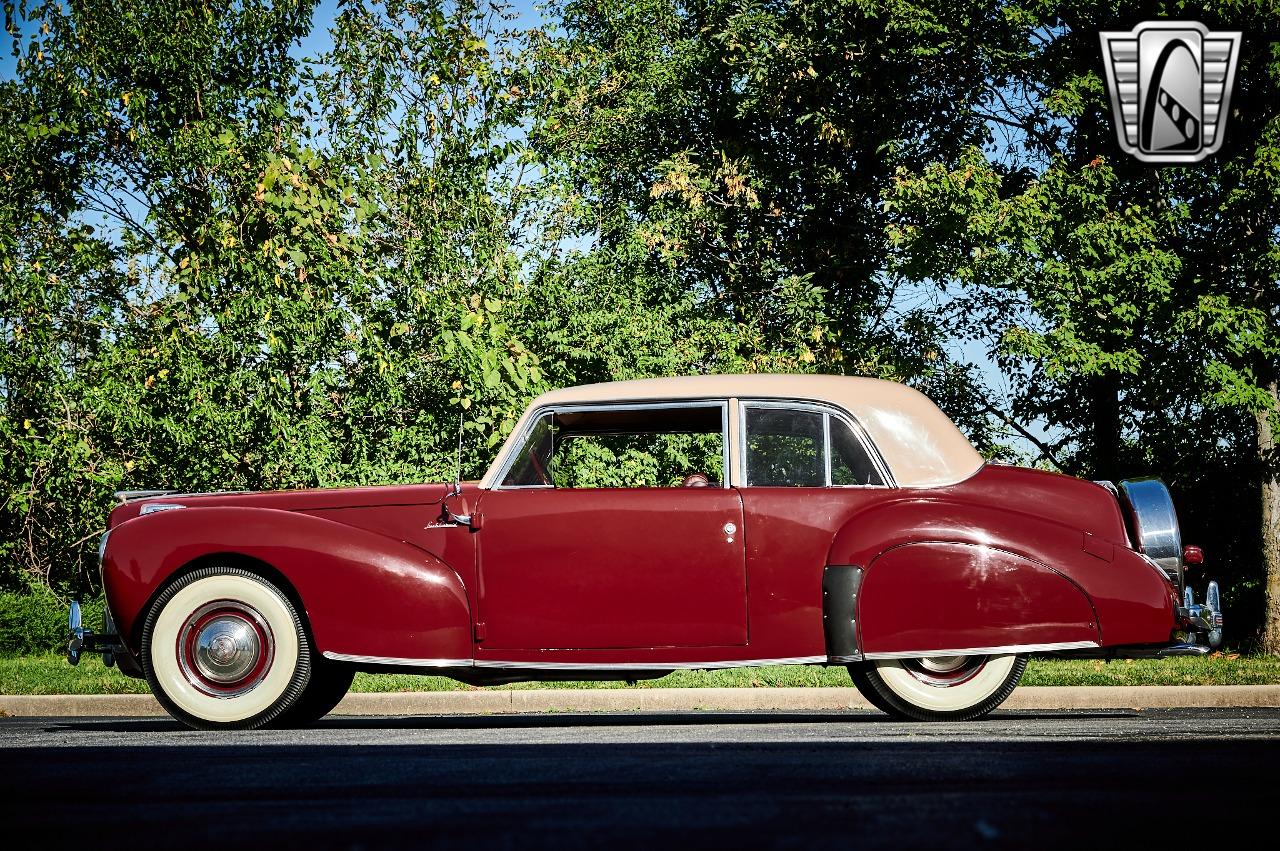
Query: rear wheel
x=939 y=688
x=223 y=648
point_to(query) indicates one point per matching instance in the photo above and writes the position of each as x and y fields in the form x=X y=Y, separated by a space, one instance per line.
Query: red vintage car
x=630 y=529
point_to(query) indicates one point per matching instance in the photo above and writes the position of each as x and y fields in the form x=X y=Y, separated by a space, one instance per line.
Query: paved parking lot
x=1051 y=779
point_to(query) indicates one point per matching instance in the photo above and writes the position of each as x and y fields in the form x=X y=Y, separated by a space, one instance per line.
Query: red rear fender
x=937 y=596
x=1011 y=558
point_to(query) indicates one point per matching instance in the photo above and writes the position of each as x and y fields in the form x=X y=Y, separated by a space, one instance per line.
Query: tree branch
x=1046 y=451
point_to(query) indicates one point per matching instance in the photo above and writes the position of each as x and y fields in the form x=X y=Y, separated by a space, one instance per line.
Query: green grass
x=50 y=674
x=1217 y=670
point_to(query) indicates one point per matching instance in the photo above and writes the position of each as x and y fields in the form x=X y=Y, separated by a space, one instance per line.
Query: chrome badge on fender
x=1170 y=85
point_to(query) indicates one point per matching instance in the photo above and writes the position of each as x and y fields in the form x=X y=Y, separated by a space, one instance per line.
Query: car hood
x=311 y=499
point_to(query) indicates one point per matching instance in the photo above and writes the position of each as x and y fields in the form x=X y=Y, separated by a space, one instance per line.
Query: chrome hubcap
x=225 y=648
x=945 y=671
x=942 y=664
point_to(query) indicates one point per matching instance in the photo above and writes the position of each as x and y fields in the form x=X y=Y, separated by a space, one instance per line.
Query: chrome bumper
x=85 y=640
x=1201 y=624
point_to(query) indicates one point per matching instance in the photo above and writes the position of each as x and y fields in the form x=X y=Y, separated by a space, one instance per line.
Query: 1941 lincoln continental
x=630 y=529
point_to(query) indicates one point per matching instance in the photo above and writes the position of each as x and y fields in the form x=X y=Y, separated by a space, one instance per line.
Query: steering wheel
x=696 y=480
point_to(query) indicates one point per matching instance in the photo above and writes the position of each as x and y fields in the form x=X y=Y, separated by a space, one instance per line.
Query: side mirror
x=447 y=514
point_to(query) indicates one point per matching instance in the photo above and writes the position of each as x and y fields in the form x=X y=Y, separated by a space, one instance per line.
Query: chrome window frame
x=828 y=411
x=535 y=416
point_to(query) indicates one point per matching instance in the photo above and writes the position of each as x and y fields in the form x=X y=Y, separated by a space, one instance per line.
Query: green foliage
x=36 y=621
x=1134 y=310
x=262 y=304
x=733 y=155
x=631 y=461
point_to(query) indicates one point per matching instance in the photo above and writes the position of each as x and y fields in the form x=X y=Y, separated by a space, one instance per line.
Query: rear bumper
x=1201 y=623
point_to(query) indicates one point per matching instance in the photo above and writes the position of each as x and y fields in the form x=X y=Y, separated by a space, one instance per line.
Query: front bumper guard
x=85 y=640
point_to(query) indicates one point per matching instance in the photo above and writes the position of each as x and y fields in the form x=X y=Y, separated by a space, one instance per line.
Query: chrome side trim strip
x=131 y=496
x=649 y=666
x=571 y=666
x=391 y=660
x=988 y=651
x=708 y=666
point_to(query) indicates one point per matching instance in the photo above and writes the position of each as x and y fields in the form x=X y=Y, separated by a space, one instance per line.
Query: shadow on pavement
x=561 y=720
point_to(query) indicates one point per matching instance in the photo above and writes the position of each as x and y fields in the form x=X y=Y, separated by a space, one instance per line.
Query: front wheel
x=223 y=648
x=939 y=688
x=329 y=684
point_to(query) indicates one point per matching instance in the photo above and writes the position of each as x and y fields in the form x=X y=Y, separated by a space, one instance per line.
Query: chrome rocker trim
x=569 y=666
x=649 y=666
x=395 y=660
x=707 y=666
x=988 y=651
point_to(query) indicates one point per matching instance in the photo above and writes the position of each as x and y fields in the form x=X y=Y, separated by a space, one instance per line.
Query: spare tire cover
x=1156 y=524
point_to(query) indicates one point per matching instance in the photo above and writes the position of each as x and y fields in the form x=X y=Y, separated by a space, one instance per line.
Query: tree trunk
x=1104 y=391
x=1270 y=525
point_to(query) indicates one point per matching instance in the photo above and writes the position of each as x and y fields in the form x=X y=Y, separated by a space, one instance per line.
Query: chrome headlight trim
x=153 y=507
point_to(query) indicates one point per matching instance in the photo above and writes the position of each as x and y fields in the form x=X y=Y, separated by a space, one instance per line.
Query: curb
x=511 y=701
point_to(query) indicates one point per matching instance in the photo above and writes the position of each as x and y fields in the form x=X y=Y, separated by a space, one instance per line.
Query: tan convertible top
x=921 y=445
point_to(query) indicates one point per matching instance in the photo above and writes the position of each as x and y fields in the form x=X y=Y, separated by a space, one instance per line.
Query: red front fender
x=364 y=594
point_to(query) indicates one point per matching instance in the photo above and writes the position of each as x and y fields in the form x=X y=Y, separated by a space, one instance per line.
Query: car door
x=595 y=567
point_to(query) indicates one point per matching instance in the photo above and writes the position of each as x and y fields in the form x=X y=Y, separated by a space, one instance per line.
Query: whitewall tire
x=224 y=648
x=939 y=688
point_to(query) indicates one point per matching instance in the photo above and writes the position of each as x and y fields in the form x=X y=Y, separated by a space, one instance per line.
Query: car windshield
x=624 y=447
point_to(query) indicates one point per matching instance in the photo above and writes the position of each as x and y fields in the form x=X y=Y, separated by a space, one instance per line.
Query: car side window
x=850 y=463
x=637 y=460
x=532 y=464
x=785 y=448
x=636 y=446
x=803 y=448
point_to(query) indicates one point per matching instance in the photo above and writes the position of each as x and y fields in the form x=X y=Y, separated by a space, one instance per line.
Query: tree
x=743 y=149
x=194 y=297
x=1134 y=306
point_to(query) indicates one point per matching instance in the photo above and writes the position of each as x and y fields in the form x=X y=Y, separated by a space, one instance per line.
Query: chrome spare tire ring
x=1155 y=526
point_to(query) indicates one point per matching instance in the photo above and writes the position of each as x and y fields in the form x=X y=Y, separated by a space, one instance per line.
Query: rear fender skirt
x=363 y=593
x=840 y=586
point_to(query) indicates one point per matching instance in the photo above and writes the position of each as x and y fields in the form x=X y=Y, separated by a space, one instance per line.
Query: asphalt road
x=1084 y=780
